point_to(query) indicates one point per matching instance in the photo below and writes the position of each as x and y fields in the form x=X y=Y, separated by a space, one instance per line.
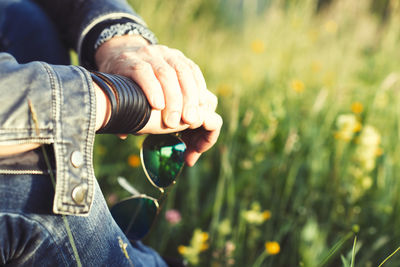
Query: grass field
x=309 y=155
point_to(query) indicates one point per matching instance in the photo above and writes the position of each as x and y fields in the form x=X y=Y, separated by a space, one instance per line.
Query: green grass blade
x=335 y=248
x=391 y=255
x=353 y=254
x=344 y=261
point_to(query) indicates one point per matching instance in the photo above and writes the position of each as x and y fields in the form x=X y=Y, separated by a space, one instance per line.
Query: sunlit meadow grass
x=309 y=153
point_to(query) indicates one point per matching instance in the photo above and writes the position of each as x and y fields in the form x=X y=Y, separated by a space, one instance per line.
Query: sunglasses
x=162 y=158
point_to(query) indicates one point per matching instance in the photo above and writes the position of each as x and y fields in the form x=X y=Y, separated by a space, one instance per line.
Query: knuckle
x=140 y=66
x=213 y=100
x=181 y=68
x=194 y=65
x=163 y=70
x=163 y=48
x=159 y=49
x=178 y=52
x=174 y=100
x=147 y=49
x=220 y=121
x=124 y=56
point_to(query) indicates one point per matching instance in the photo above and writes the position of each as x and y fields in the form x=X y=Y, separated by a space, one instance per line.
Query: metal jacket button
x=77 y=159
x=79 y=193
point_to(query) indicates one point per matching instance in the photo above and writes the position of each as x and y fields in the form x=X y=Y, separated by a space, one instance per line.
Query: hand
x=197 y=140
x=172 y=83
x=201 y=139
x=174 y=86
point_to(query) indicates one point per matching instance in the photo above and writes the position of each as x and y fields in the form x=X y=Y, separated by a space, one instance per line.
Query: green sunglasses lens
x=135 y=216
x=163 y=158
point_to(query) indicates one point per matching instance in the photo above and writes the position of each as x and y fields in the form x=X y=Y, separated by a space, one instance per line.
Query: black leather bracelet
x=137 y=101
x=130 y=109
x=136 y=107
x=108 y=92
x=132 y=96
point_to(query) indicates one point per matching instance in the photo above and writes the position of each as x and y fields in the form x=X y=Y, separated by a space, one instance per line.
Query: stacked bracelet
x=121 y=29
x=130 y=110
x=104 y=31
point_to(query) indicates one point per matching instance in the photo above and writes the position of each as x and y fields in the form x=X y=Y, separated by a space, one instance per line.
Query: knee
x=28 y=33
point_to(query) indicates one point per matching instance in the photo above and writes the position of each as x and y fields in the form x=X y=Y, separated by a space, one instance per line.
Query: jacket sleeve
x=74 y=18
x=52 y=104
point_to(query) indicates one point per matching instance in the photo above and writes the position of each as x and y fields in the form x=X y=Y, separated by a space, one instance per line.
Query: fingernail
x=191 y=114
x=173 y=119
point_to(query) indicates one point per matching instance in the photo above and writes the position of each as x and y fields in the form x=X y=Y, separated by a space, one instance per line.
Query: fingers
x=150 y=85
x=155 y=125
x=171 y=82
x=212 y=127
x=191 y=157
x=202 y=139
x=189 y=88
x=200 y=81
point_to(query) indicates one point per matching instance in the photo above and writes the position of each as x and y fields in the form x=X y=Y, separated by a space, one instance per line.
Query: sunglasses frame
x=137 y=195
x=162 y=189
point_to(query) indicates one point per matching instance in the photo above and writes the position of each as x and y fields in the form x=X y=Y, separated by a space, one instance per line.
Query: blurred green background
x=309 y=152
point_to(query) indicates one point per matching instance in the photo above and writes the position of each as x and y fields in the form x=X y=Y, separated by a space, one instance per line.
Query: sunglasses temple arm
x=127 y=186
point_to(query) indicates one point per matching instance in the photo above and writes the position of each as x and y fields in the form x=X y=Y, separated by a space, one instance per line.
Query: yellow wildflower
x=224 y=89
x=369 y=141
x=182 y=249
x=331 y=26
x=297 y=86
x=266 y=215
x=197 y=245
x=204 y=246
x=357 y=107
x=258 y=46
x=347 y=124
x=255 y=215
x=378 y=151
x=316 y=66
x=204 y=236
x=134 y=161
x=272 y=247
x=225 y=227
x=367 y=182
x=357 y=127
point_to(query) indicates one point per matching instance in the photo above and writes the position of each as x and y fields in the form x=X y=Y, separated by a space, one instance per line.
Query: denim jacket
x=60 y=100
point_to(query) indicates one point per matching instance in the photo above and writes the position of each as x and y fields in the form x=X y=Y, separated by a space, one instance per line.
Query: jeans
x=30 y=234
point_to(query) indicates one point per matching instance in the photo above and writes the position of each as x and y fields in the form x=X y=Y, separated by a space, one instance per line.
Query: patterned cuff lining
x=120 y=29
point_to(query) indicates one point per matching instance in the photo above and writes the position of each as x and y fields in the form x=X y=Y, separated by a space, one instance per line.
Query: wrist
x=103 y=107
x=129 y=110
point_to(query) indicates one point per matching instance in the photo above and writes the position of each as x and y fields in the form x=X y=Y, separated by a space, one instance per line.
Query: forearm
x=9 y=150
x=73 y=17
